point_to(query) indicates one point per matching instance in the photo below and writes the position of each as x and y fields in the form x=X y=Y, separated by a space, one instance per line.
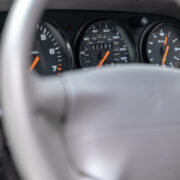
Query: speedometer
x=105 y=43
x=51 y=54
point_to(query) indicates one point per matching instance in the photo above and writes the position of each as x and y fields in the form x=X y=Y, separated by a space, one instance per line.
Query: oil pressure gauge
x=163 y=46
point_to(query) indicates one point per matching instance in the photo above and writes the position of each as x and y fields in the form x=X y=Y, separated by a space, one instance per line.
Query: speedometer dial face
x=51 y=54
x=105 y=43
x=163 y=46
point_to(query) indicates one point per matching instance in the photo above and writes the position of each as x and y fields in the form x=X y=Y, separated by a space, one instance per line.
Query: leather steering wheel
x=120 y=123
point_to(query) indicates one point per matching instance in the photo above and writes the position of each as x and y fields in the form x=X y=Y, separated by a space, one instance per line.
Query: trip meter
x=105 y=43
x=163 y=46
x=51 y=54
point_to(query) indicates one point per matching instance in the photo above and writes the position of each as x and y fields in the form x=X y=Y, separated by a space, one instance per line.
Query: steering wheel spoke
x=48 y=96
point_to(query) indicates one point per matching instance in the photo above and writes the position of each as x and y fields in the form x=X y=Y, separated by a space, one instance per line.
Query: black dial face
x=163 y=46
x=104 y=43
x=51 y=55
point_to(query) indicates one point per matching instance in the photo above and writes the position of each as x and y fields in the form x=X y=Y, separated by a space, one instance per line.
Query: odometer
x=105 y=43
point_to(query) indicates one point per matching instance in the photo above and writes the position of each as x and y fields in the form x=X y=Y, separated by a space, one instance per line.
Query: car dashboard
x=102 y=35
x=71 y=39
x=68 y=40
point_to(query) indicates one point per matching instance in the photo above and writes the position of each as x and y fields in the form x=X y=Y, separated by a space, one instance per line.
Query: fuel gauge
x=163 y=46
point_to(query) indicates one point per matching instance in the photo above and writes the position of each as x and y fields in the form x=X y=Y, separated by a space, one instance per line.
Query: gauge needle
x=165 y=56
x=36 y=60
x=103 y=59
x=165 y=41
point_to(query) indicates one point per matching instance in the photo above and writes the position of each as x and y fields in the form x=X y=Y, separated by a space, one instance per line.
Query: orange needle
x=165 y=56
x=36 y=60
x=165 y=42
x=103 y=59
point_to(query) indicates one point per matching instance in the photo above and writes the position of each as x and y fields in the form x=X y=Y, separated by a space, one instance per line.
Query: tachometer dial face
x=105 y=43
x=163 y=46
x=51 y=54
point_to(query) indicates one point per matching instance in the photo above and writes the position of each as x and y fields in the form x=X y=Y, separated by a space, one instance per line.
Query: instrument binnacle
x=103 y=42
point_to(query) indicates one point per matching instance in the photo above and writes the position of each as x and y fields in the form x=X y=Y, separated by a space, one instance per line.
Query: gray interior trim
x=163 y=7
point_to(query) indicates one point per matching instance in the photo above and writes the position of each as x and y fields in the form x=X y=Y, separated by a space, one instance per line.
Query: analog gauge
x=163 y=46
x=105 y=43
x=51 y=54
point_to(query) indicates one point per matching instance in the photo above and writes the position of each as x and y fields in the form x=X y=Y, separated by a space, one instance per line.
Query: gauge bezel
x=148 y=32
x=62 y=38
x=126 y=35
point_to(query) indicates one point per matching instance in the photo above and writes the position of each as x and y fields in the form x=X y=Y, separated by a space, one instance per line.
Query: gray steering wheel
x=118 y=124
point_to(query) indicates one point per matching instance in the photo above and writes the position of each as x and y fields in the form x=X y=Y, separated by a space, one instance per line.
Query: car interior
x=89 y=89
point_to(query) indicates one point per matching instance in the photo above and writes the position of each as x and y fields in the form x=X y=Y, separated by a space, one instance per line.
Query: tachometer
x=105 y=43
x=163 y=46
x=51 y=54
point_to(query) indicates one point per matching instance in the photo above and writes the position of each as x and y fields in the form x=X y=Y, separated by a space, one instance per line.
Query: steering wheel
x=120 y=123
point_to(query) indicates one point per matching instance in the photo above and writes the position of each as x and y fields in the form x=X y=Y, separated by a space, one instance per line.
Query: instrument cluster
x=84 y=39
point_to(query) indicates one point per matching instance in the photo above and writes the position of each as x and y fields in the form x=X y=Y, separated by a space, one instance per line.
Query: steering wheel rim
x=26 y=113
x=37 y=168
